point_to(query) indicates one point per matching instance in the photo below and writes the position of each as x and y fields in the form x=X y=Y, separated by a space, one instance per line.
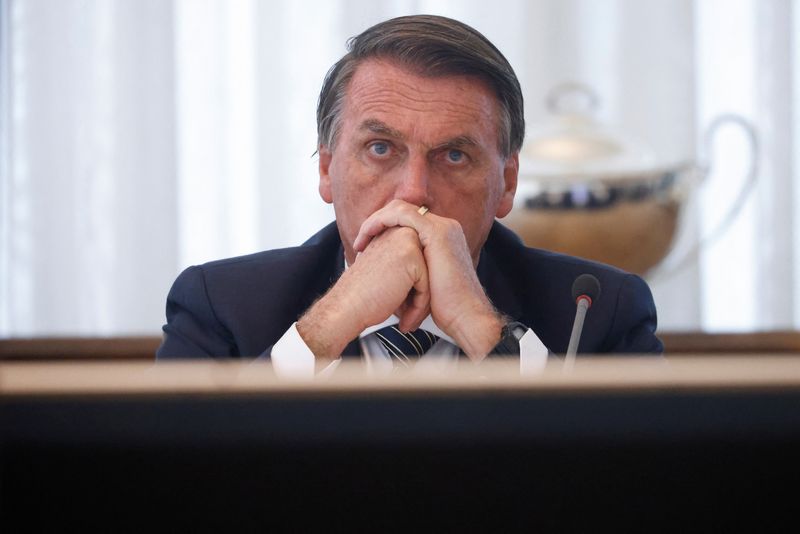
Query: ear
x=510 y=173
x=325 y=156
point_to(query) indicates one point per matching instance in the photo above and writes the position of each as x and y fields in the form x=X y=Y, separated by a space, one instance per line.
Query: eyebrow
x=458 y=142
x=377 y=127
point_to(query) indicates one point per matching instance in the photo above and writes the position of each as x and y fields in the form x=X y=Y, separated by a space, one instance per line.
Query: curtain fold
x=89 y=218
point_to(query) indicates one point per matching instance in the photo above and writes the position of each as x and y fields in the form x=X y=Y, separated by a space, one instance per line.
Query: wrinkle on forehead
x=383 y=88
x=372 y=97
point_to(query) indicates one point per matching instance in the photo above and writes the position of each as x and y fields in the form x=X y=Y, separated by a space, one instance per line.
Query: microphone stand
x=583 y=302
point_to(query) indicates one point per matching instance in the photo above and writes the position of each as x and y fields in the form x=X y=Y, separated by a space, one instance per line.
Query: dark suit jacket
x=242 y=306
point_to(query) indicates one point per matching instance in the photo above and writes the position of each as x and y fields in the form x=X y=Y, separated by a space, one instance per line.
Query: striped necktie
x=404 y=348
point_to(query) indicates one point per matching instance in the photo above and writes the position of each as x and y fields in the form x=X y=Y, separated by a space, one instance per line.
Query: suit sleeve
x=192 y=329
x=635 y=321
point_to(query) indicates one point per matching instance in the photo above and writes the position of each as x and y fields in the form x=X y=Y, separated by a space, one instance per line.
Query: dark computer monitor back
x=377 y=461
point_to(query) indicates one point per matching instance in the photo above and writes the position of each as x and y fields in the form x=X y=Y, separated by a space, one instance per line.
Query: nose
x=413 y=182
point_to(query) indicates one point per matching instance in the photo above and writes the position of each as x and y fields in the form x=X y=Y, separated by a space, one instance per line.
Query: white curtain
x=138 y=137
x=89 y=168
x=750 y=279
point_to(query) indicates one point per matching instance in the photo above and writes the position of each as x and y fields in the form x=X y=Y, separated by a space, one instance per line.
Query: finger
x=418 y=304
x=414 y=311
x=367 y=232
x=374 y=225
x=391 y=215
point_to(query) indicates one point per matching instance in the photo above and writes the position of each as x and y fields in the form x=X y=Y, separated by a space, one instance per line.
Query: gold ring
x=422 y=210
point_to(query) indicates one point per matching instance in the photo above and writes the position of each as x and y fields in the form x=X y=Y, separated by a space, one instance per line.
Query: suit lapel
x=498 y=286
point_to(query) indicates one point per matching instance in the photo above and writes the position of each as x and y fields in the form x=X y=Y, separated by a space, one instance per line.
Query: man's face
x=431 y=141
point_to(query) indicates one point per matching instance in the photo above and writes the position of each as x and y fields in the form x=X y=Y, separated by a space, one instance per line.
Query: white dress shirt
x=291 y=357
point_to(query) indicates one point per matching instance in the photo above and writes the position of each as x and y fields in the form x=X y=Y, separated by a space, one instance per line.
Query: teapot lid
x=573 y=146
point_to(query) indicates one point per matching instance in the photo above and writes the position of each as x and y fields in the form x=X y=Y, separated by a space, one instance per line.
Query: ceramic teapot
x=589 y=190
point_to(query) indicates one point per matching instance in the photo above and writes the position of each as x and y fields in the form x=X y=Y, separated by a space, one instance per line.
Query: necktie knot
x=403 y=347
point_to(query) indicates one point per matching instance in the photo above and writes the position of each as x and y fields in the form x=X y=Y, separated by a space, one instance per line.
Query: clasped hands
x=411 y=265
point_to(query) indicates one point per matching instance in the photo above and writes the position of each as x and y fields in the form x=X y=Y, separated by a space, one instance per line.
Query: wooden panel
x=144 y=347
x=589 y=375
x=780 y=342
x=80 y=348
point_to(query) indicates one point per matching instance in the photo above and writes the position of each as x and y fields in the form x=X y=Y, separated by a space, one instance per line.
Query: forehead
x=414 y=104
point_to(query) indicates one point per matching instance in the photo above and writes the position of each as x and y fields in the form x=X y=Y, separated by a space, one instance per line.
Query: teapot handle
x=705 y=166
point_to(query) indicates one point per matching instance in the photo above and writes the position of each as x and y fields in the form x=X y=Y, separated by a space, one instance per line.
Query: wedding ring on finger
x=422 y=210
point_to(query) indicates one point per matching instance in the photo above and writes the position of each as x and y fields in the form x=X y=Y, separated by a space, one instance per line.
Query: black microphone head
x=587 y=285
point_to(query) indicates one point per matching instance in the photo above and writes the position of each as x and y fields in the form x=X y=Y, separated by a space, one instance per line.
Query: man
x=420 y=127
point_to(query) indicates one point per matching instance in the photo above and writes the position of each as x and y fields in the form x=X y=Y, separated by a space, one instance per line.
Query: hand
x=458 y=302
x=390 y=276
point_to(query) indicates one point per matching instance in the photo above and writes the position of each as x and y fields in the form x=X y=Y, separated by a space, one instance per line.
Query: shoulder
x=533 y=265
x=279 y=274
x=269 y=271
x=623 y=318
x=323 y=244
x=242 y=305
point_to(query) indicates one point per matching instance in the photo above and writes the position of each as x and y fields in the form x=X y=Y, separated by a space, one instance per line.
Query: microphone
x=585 y=290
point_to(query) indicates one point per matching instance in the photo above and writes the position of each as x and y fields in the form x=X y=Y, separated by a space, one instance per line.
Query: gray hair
x=431 y=46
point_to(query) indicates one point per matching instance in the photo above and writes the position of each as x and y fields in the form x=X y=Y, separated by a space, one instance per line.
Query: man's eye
x=379 y=148
x=455 y=156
